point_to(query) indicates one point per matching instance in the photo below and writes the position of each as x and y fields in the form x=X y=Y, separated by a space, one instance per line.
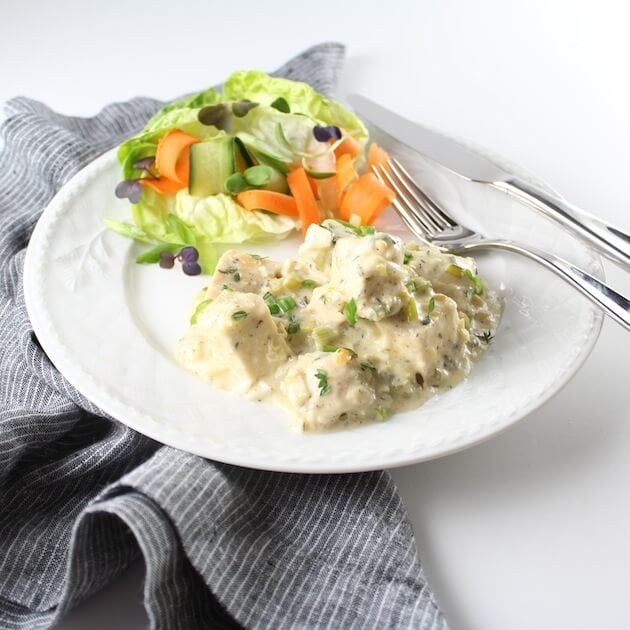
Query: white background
x=531 y=529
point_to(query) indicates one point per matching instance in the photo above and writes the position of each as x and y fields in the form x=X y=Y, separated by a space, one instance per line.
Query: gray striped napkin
x=82 y=496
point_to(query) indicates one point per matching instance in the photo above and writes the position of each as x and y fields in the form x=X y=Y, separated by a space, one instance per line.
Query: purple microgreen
x=129 y=189
x=145 y=164
x=189 y=254
x=324 y=134
x=241 y=108
x=154 y=255
x=218 y=116
x=191 y=268
x=167 y=260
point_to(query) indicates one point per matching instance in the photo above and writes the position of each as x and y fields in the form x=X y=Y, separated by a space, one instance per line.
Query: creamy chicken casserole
x=360 y=326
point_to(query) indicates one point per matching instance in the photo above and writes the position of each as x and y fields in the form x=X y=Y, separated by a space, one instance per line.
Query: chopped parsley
x=407 y=258
x=359 y=230
x=322 y=382
x=486 y=337
x=368 y=365
x=460 y=272
x=350 y=311
x=233 y=271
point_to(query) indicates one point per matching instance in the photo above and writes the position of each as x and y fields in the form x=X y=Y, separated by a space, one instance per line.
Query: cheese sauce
x=360 y=326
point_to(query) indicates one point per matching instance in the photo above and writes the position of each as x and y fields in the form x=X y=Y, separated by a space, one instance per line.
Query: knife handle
x=610 y=241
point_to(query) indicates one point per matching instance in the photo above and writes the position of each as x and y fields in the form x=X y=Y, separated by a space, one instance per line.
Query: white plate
x=110 y=326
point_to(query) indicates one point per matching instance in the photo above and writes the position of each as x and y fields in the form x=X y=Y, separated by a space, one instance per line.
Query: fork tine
x=408 y=211
x=416 y=199
x=433 y=211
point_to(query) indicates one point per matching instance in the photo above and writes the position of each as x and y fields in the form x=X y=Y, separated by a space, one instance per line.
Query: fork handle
x=612 y=303
x=609 y=240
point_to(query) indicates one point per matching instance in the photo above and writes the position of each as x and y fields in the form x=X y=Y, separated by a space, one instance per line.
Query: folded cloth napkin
x=82 y=496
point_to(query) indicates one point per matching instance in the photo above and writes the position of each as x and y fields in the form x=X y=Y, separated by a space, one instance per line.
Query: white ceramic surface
x=111 y=327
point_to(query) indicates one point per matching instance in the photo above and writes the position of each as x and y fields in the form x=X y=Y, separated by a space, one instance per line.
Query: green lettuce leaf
x=301 y=97
x=145 y=143
x=269 y=133
x=194 y=101
x=220 y=219
x=273 y=137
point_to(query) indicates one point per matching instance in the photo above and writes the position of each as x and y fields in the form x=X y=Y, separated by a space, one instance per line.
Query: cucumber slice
x=319 y=174
x=211 y=163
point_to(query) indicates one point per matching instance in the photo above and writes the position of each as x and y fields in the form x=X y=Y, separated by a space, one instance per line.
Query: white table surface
x=530 y=529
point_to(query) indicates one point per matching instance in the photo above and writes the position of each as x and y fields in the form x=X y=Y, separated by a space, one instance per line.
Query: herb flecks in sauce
x=358 y=327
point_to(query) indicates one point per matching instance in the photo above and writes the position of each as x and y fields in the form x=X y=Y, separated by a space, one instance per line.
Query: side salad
x=262 y=158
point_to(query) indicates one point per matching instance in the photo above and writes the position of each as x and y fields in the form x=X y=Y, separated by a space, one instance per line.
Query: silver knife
x=610 y=241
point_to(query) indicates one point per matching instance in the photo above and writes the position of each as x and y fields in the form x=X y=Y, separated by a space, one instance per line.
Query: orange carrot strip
x=312 y=182
x=268 y=200
x=349 y=146
x=366 y=197
x=304 y=197
x=346 y=174
x=328 y=193
x=172 y=157
x=376 y=156
x=162 y=185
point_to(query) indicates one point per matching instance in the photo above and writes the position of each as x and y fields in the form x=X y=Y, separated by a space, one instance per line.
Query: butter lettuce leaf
x=195 y=101
x=145 y=143
x=278 y=138
x=221 y=219
x=301 y=97
x=267 y=132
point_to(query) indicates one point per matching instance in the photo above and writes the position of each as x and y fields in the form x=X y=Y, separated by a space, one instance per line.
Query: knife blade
x=390 y=129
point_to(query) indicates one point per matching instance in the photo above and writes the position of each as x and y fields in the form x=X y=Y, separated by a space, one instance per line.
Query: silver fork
x=430 y=223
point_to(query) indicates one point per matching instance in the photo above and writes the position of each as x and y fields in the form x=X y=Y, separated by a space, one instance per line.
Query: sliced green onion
x=271 y=303
x=309 y=284
x=411 y=311
x=323 y=335
x=238 y=315
x=200 y=307
x=286 y=304
x=294 y=327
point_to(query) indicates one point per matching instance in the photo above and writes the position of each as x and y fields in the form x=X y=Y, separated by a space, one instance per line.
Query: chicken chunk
x=246 y=273
x=234 y=341
x=323 y=389
x=369 y=270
